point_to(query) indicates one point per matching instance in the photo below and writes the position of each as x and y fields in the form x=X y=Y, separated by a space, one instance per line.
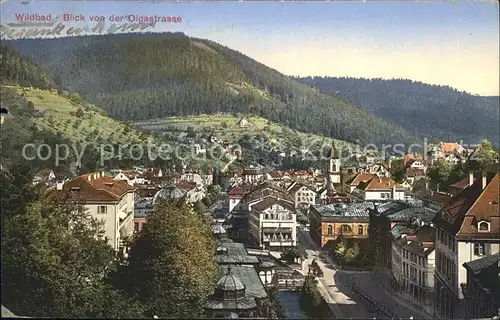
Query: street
x=336 y=287
x=339 y=300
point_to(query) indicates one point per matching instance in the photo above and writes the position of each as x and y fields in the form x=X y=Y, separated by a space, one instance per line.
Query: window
x=330 y=230
x=346 y=228
x=479 y=249
x=102 y=209
x=484 y=226
x=360 y=229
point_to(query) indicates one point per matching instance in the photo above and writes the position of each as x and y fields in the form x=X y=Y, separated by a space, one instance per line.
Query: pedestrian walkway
x=341 y=305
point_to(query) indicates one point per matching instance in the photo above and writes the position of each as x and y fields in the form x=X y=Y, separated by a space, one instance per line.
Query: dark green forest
x=143 y=76
x=428 y=110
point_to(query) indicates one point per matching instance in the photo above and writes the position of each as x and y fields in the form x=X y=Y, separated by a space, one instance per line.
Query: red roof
x=186 y=185
x=450 y=147
x=360 y=177
x=93 y=187
x=377 y=183
x=238 y=191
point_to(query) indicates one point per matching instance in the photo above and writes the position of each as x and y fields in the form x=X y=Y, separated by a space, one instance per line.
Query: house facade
x=332 y=223
x=379 y=189
x=482 y=291
x=468 y=228
x=413 y=264
x=273 y=224
x=303 y=195
x=131 y=177
x=106 y=199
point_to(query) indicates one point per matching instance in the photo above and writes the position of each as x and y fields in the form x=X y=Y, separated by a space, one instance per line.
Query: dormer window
x=483 y=226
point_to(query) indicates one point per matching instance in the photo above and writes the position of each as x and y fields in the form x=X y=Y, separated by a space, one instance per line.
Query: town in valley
x=238 y=164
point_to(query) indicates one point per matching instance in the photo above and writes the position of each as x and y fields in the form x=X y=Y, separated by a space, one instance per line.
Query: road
x=342 y=305
x=339 y=284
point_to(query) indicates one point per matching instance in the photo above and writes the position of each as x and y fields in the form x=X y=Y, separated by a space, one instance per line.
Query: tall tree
x=172 y=266
x=54 y=259
x=397 y=170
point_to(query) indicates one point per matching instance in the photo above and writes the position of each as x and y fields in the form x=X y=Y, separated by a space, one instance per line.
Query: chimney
x=471 y=178
x=394 y=192
x=89 y=177
x=102 y=174
x=484 y=181
x=59 y=185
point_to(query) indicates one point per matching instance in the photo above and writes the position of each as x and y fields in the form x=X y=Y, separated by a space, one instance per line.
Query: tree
x=484 y=156
x=54 y=260
x=351 y=253
x=172 y=268
x=76 y=98
x=397 y=170
x=290 y=255
x=315 y=269
x=439 y=172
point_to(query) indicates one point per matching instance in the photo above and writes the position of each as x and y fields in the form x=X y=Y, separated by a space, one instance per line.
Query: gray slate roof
x=249 y=277
x=479 y=264
x=346 y=211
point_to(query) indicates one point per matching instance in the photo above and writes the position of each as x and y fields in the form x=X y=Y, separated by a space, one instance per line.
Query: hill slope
x=437 y=111
x=144 y=76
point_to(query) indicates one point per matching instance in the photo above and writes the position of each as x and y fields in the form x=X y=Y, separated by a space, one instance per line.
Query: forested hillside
x=144 y=76
x=40 y=114
x=16 y=69
x=428 y=110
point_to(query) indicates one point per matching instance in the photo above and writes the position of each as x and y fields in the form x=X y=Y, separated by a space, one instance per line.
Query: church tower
x=333 y=172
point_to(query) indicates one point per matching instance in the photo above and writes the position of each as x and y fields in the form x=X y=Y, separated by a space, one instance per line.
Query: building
x=106 y=199
x=435 y=201
x=333 y=172
x=450 y=152
x=142 y=209
x=241 y=289
x=303 y=195
x=457 y=187
x=388 y=220
x=331 y=223
x=468 y=228
x=413 y=175
x=379 y=189
x=243 y=123
x=412 y=265
x=357 y=179
x=253 y=175
x=131 y=177
x=378 y=169
x=45 y=176
x=273 y=224
x=235 y=197
x=482 y=291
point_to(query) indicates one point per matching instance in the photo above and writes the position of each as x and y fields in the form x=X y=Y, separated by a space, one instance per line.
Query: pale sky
x=455 y=44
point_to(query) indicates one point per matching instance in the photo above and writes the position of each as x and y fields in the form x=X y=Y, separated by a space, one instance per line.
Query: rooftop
x=92 y=187
x=462 y=213
x=343 y=211
x=419 y=241
x=271 y=201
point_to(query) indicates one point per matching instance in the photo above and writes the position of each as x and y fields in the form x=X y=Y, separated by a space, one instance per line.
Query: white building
x=235 y=196
x=109 y=200
x=272 y=223
x=131 y=177
x=413 y=264
x=45 y=176
x=468 y=228
x=379 y=189
x=302 y=194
